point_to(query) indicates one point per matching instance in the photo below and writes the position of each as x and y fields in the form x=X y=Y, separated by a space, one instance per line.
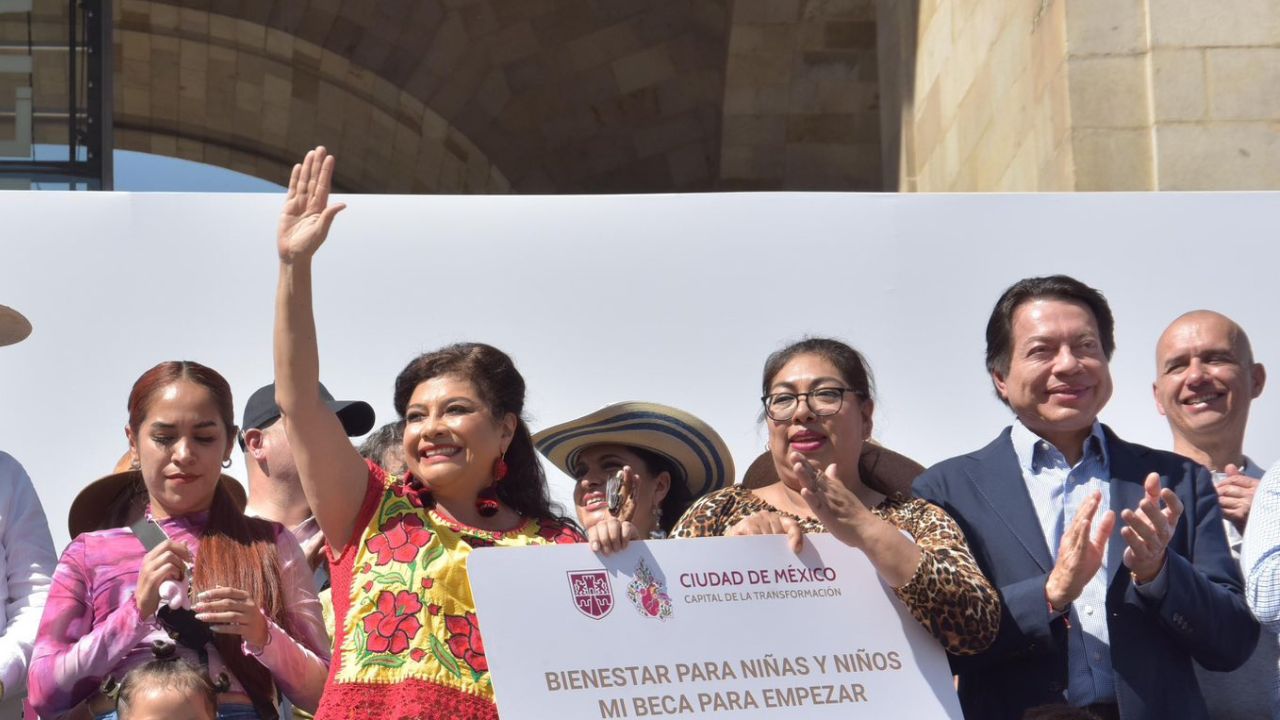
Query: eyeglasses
x=825 y=401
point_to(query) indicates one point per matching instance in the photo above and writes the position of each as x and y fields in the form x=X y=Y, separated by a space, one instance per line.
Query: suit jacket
x=1202 y=615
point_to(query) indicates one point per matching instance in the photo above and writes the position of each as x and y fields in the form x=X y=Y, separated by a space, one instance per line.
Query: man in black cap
x=275 y=490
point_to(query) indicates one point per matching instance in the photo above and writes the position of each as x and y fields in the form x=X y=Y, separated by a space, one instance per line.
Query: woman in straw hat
x=407 y=642
x=637 y=466
x=818 y=406
x=240 y=585
x=27 y=557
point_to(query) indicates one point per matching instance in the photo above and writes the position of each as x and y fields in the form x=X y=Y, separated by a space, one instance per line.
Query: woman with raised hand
x=637 y=467
x=113 y=601
x=818 y=406
x=407 y=641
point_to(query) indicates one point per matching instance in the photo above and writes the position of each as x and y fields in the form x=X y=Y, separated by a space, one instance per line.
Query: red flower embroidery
x=411 y=490
x=558 y=533
x=465 y=642
x=433 y=609
x=428 y=583
x=417 y=654
x=478 y=542
x=401 y=538
x=395 y=623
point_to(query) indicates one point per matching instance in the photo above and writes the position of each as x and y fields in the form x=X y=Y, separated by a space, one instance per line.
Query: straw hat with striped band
x=689 y=443
x=14 y=328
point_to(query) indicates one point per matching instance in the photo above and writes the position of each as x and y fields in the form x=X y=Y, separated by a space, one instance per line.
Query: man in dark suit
x=1103 y=608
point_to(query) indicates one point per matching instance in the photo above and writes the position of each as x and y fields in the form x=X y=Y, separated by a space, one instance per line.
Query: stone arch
x=431 y=95
x=802 y=106
x=506 y=95
x=236 y=93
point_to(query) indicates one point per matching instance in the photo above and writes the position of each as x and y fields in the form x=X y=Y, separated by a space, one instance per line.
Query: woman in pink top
x=247 y=577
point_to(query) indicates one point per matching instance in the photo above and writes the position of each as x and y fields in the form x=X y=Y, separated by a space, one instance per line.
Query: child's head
x=168 y=689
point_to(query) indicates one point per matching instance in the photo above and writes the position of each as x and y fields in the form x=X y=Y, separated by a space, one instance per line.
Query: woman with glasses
x=818 y=406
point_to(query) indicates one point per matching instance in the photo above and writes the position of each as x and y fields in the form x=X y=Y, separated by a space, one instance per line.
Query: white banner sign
x=714 y=627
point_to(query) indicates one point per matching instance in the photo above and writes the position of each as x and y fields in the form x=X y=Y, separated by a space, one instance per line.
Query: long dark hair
x=501 y=388
x=678 y=498
x=235 y=550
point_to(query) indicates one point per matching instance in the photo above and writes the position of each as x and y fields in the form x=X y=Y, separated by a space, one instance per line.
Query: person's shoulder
x=898 y=505
x=732 y=492
x=966 y=462
x=104 y=546
x=263 y=527
x=709 y=515
x=722 y=500
x=914 y=514
x=558 y=531
x=10 y=467
x=96 y=537
x=1149 y=459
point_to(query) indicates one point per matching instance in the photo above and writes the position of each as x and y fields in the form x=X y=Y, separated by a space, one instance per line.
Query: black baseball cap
x=356 y=416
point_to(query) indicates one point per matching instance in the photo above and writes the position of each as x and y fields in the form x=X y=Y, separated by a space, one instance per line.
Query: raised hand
x=1079 y=555
x=307 y=214
x=1235 y=495
x=841 y=511
x=1147 y=530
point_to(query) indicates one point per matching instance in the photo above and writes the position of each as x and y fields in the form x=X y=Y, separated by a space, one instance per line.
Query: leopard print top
x=948 y=594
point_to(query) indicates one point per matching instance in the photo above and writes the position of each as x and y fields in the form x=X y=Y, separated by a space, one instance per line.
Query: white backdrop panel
x=672 y=298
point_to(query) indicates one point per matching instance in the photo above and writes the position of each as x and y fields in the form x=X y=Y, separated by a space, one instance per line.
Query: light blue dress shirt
x=1057 y=491
x=1260 y=560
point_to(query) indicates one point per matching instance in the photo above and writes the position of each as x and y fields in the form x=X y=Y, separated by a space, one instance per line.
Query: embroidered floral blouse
x=407 y=641
x=91 y=628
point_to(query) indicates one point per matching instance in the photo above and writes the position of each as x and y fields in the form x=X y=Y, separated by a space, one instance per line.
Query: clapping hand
x=1079 y=555
x=1148 y=529
x=1235 y=495
x=842 y=513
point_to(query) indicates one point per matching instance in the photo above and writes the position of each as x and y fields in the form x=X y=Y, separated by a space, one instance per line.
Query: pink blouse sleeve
x=75 y=651
x=299 y=664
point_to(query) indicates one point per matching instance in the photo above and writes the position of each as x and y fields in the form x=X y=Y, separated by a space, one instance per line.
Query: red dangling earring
x=487 y=499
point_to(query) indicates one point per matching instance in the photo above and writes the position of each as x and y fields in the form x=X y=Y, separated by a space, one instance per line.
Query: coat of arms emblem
x=592 y=592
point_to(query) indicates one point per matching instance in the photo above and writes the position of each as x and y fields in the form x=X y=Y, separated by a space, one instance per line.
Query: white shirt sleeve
x=1260 y=553
x=29 y=560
